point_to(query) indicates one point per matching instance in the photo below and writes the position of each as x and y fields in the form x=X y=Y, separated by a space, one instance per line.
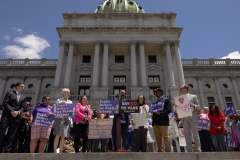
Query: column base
x=136 y=91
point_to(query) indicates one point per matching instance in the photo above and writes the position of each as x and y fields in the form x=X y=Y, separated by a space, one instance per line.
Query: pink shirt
x=80 y=112
x=204 y=116
x=235 y=135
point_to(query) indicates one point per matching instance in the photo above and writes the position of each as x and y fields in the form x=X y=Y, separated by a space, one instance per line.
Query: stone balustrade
x=28 y=62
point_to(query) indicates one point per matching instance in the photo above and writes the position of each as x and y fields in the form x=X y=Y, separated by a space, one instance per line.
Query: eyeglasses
x=47 y=99
x=123 y=92
x=27 y=104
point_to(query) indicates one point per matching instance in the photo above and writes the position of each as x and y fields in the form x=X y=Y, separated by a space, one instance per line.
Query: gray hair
x=65 y=90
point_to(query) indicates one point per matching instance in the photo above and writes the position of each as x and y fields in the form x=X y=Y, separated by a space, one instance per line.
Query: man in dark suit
x=13 y=104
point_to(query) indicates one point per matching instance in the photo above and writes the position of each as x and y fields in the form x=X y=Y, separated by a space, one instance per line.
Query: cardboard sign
x=183 y=106
x=204 y=124
x=150 y=135
x=100 y=128
x=139 y=120
x=109 y=106
x=129 y=106
x=229 y=110
x=158 y=106
x=63 y=110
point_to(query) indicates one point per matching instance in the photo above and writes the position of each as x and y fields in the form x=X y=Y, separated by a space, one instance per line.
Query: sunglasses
x=47 y=99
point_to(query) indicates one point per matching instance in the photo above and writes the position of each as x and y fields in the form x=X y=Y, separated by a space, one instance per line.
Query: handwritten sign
x=229 y=110
x=203 y=124
x=42 y=119
x=100 y=128
x=158 y=106
x=173 y=129
x=182 y=140
x=230 y=143
x=109 y=106
x=150 y=135
x=139 y=120
x=63 y=110
x=129 y=106
x=183 y=106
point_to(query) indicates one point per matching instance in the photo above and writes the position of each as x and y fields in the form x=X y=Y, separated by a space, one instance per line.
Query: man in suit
x=13 y=105
x=190 y=123
x=161 y=121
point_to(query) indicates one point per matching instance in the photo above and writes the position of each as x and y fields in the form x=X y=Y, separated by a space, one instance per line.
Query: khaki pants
x=161 y=132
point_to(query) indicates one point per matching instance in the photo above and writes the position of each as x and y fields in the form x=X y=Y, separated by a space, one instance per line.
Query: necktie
x=18 y=97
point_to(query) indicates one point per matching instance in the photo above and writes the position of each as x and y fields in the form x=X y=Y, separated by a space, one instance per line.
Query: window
x=151 y=93
x=12 y=86
x=30 y=86
x=210 y=100
x=119 y=59
x=152 y=59
x=119 y=79
x=48 y=86
x=208 y=86
x=86 y=59
x=116 y=91
x=228 y=101
x=29 y=99
x=190 y=85
x=153 y=79
x=85 y=79
x=225 y=86
x=84 y=91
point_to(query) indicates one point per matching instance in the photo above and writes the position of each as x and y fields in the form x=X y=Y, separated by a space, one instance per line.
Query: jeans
x=103 y=145
x=205 y=140
x=219 y=138
x=130 y=140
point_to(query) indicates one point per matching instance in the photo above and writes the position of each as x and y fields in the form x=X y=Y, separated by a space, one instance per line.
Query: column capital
x=215 y=77
x=233 y=77
x=40 y=78
x=71 y=43
x=199 y=77
x=97 y=43
x=141 y=43
x=133 y=43
x=105 y=43
x=167 y=43
x=62 y=42
x=4 y=77
x=176 y=43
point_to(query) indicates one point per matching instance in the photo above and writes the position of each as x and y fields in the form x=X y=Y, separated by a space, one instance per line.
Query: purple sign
x=230 y=143
x=158 y=106
x=229 y=110
x=203 y=124
x=63 y=110
x=108 y=106
x=43 y=120
x=171 y=115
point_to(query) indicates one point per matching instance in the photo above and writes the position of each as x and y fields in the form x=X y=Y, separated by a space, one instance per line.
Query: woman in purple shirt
x=39 y=132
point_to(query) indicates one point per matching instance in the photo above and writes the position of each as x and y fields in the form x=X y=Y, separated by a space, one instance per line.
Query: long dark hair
x=144 y=100
x=80 y=100
x=217 y=110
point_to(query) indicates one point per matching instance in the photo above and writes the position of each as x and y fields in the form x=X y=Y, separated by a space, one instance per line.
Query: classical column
x=23 y=78
x=59 y=65
x=3 y=84
x=67 y=75
x=143 y=65
x=38 y=88
x=95 y=65
x=220 y=98
x=105 y=68
x=133 y=65
x=169 y=64
x=236 y=91
x=179 y=62
x=200 y=88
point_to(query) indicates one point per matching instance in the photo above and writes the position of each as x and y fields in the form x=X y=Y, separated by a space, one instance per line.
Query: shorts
x=38 y=132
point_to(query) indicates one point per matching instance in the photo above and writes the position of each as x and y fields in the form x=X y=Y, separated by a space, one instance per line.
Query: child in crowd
x=130 y=139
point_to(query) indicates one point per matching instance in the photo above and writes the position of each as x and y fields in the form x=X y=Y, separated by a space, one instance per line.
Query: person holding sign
x=61 y=125
x=217 y=130
x=161 y=121
x=40 y=131
x=190 y=123
x=140 y=131
x=81 y=123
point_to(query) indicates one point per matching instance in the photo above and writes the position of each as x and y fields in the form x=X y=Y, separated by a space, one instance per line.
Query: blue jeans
x=103 y=145
x=130 y=140
x=222 y=139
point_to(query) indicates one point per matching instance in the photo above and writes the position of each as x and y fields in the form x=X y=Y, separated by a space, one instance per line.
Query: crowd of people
x=19 y=133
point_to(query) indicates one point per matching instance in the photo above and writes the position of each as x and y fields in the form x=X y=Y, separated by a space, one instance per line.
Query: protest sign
x=109 y=106
x=230 y=143
x=182 y=140
x=172 y=129
x=42 y=119
x=183 y=106
x=150 y=135
x=203 y=124
x=63 y=110
x=139 y=120
x=229 y=110
x=129 y=106
x=100 y=128
x=158 y=106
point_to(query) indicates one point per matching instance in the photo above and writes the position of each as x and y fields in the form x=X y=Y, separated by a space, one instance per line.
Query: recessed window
x=29 y=99
x=210 y=100
x=48 y=86
x=208 y=86
x=225 y=86
x=85 y=79
x=86 y=59
x=190 y=85
x=119 y=59
x=30 y=86
x=228 y=101
x=84 y=91
x=131 y=3
x=119 y=79
x=12 y=86
x=152 y=59
x=153 y=79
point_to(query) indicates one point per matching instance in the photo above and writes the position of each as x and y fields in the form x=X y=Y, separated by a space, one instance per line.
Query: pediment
x=119 y=67
x=84 y=67
x=209 y=91
x=227 y=91
x=155 y=67
x=29 y=92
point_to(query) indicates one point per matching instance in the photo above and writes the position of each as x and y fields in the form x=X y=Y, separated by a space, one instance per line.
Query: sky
x=211 y=28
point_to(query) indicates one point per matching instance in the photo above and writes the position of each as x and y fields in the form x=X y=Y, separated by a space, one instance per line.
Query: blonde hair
x=65 y=90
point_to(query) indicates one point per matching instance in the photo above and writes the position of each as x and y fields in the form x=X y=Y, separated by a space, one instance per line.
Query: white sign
x=100 y=128
x=173 y=129
x=139 y=120
x=150 y=135
x=182 y=140
x=183 y=106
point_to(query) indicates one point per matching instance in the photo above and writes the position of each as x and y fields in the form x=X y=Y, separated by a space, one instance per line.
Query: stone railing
x=28 y=62
x=114 y=97
x=211 y=62
x=76 y=97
